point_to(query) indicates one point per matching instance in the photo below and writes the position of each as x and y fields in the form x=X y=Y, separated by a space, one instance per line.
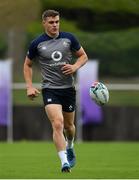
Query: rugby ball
x=99 y=93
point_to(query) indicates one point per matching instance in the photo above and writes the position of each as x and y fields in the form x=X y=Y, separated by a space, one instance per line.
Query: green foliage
x=18 y=14
x=97 y=15
x=70 y=26
x=117 y=51
x=34 y=30
x=131 y=6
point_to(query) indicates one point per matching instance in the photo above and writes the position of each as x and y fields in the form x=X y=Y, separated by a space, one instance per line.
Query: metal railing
x=111 y=86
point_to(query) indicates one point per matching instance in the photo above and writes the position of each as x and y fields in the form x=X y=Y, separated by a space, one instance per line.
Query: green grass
x=94 y=160
x=124 y=98
x=117 y=98
x=20 y=98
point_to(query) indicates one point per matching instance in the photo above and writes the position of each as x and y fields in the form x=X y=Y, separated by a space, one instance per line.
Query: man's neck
x=52 y=36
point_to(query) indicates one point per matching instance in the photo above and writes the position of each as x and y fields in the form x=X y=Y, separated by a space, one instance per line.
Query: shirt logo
x=56 y=55
x=65 y=44
x=44 y=48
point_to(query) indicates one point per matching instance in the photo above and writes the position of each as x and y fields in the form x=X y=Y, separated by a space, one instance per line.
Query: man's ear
x=43 y=22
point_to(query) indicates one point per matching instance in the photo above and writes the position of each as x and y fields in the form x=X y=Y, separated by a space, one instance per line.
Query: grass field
x=117 y=98
x=94 y=160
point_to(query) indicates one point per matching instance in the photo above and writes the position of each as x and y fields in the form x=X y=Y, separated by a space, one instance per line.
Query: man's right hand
x=32 y=93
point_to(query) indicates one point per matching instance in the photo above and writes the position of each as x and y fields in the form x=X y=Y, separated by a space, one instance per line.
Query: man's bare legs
x=54 y=113
x=69 y=128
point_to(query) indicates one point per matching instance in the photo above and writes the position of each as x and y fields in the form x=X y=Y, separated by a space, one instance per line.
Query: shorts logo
x=49 y=100
x=56 y=55
x=70 y=107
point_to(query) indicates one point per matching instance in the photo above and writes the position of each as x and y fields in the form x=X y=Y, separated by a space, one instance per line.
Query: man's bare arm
x=31 y=91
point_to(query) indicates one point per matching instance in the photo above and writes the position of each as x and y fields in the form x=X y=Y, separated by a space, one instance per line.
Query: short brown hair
x=49 y=13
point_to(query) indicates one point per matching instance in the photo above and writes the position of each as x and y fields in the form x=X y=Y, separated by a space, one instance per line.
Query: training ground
x=39 y=160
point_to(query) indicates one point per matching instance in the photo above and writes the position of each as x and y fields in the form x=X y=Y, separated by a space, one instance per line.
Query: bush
x=117 y=51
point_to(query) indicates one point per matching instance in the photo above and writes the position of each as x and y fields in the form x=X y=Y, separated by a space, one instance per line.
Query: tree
x=15 y=17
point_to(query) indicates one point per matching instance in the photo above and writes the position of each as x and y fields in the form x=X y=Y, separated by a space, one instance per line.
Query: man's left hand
x=68 y=69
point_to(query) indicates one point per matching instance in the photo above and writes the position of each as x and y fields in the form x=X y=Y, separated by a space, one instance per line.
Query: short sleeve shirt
x=52 y=54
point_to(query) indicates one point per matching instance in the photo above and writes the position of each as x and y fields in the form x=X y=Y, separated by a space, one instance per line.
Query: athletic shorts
x=65 y=97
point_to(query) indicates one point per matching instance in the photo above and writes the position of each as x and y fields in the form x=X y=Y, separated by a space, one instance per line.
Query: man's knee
x=69 y=127
x=58 y=124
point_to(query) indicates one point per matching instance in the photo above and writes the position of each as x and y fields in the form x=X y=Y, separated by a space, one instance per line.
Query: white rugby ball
x=99 y=93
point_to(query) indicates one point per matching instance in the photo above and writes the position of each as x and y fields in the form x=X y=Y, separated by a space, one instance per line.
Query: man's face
x=51 y=25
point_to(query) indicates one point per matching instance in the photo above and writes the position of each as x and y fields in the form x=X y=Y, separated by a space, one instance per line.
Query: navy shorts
x=65 y=97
